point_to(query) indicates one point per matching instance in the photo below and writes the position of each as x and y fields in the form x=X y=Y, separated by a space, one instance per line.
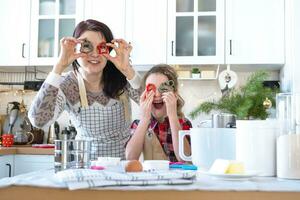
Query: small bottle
x=65 y=134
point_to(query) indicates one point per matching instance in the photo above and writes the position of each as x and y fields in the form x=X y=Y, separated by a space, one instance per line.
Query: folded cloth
x=87 y=178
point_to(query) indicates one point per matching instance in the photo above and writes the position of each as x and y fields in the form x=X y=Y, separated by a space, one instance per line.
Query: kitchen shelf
x=196 y=79
x=203 y=79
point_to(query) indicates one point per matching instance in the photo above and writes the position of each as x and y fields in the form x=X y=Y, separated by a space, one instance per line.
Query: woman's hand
x=146 y=104
x=121 y=60
x=170 y=100
x=67 y=54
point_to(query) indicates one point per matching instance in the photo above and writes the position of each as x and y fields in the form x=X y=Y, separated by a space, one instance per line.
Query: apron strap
x=152 y=147
x=82 y=91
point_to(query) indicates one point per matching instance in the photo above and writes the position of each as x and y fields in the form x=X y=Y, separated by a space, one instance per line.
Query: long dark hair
x=171 y=74
x=113 y=80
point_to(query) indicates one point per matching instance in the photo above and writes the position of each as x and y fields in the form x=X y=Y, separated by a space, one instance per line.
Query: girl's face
x=158 y=106
x=93 y=63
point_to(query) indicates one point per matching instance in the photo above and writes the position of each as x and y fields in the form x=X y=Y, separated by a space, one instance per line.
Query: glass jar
x=284 y=113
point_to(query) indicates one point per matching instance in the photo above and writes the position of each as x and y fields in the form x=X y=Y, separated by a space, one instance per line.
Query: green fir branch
x=245 y=103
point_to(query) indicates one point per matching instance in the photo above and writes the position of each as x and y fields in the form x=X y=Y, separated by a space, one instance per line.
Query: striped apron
x=105 y=126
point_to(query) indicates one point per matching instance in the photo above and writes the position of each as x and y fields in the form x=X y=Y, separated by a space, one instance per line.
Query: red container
x=7 y=140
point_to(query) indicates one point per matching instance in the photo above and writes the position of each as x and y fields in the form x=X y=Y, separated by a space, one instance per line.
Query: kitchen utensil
x=297 y=108
x=16 y=120
x=256 y=145
x=227 y=79
x=208 y=144
x=154 y=165
x=13 y=115
x=223 y=120
x=22 y=137
x=7 y=140
x=284 y=113
x=53 y=132
x=73 y=154
x=288 y=156
x=38 y=136
x=232 y=177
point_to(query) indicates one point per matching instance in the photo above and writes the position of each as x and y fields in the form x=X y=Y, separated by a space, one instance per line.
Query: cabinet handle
x=9 y=169
x=23 y=49
x=172 y=48
x=230 y=47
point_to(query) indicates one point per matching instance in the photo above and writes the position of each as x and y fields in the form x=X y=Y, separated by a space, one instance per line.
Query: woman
x=96 y=93
x=156 y=133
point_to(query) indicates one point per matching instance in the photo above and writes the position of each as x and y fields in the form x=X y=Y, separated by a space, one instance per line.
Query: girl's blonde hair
x=171 y=74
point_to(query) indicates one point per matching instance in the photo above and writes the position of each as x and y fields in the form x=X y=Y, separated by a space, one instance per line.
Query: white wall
x=193 y=92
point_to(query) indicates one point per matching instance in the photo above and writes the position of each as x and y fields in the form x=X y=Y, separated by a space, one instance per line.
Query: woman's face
x=94 y=63
x=158 y=106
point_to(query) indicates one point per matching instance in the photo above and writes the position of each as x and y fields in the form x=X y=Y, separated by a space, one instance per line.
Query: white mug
x=208 y=144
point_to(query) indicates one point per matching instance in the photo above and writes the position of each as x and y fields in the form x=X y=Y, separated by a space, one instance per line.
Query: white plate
x=238 y=177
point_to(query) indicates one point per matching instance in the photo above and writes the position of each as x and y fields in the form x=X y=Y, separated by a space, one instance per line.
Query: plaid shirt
x=164 y=135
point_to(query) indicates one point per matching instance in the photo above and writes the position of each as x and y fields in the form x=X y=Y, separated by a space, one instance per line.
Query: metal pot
x=223 y=120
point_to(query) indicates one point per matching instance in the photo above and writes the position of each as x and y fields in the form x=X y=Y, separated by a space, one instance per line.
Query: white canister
x=288 y=156
x=256 y=145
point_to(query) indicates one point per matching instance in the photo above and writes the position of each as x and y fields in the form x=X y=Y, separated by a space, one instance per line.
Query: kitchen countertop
x=25 y=149
x=44 y=185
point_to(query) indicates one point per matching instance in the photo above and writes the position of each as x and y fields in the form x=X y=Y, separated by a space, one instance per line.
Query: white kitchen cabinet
x=6 y=166
x=112 y=13
x=29 y=163
x=251 y=32
x=254 y=32
x=195 y=32
x=141 y=22
x=146 y=29
x=15 y=32
x=50 y=21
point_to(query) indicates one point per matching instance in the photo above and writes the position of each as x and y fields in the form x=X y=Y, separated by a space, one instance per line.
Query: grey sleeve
x=47 y=105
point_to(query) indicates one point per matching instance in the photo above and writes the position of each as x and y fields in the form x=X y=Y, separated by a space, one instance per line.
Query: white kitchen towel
x=87 y=178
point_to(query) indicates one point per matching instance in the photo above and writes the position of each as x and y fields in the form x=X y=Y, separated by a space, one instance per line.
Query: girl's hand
x=146 y=104
x=67 y=53
x=121 y=60
x=170 y=100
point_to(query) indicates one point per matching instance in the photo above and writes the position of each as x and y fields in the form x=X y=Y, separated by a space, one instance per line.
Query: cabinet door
x=255 y=31
x=146 y=29
x=195 y=32
x=30 y=163
x=6 y=166
x=111 y=13
x=15 y=30
x=50 y=21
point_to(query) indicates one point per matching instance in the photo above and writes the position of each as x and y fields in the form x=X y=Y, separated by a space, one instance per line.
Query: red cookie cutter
x=102 y=48
x=150 y=87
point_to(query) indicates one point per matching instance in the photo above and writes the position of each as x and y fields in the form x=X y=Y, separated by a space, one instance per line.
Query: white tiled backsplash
x=192 y=91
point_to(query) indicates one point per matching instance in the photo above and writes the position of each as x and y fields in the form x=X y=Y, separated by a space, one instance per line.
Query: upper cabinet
x=146 y=29
x=50 y=21
x=251 y=32
x=195 y=32
x=143 y=23
x=254 y=32
x=112 y=13
x=15 y=32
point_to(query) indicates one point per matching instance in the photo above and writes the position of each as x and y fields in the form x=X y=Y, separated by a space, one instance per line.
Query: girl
x=156 y=133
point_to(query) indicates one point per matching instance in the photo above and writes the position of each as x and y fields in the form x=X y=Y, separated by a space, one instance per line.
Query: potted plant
x=254 y=134
x=195 y=72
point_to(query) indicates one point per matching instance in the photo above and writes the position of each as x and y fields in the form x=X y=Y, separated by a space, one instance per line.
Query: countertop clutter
x=26 y=149
x=45 y=184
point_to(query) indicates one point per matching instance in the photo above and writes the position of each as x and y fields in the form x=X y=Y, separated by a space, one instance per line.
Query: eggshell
x=133 y=166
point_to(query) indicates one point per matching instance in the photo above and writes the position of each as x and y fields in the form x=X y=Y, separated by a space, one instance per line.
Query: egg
x=133 y=166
